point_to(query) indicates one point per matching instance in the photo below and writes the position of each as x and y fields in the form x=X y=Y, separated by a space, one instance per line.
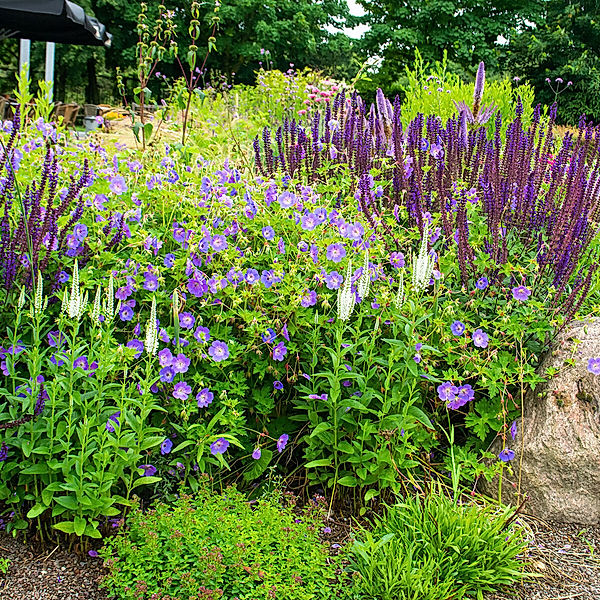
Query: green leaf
x=345 y=447
x=79 y=525
x=36 y=510
x=36 y=469
x=152 y=441
x=65 y=526
x=371 y=494
x=69 y=502
x=92 y=531
x=320 y=428
x=320 y=462
x=145 y=481
x=420 y=416
x=259 y=466
x=348 y=481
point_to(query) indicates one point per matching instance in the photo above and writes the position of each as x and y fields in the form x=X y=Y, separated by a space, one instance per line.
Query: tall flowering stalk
x=423 y=264
x=346 y=298
x=529 y=186
x=151 y=344
x=33 y=226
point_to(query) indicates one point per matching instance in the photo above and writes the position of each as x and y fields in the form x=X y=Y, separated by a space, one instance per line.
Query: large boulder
x=558 y=449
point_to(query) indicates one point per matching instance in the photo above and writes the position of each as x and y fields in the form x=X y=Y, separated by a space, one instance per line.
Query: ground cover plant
x=222 y=546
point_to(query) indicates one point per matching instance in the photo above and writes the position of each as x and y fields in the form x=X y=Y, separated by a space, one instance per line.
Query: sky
x=356 y=10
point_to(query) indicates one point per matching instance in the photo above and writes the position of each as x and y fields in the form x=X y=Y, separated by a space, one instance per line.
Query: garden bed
x=564 y=557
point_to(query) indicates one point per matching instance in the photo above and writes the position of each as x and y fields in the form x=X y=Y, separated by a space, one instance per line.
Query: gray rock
x=559 y=453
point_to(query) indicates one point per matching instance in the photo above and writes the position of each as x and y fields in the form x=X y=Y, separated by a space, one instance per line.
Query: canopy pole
x=50 y=48
x=24 y=52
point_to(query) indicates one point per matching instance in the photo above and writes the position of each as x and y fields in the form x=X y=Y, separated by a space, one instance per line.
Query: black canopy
x=59 y=21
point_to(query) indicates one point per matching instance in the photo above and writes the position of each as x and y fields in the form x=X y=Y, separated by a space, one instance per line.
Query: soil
x=49 y=574
x=563 y=563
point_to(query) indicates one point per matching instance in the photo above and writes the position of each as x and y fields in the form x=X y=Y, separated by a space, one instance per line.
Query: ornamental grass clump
x=223 y=547
x=433 y=548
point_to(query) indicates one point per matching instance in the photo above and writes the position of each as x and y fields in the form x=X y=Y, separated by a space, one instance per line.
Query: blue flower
x=166 y=447
x=219 y=446
x=506 y=455
x=268 y=233
x=282 y=441
x=457 y=328
x=482 y=283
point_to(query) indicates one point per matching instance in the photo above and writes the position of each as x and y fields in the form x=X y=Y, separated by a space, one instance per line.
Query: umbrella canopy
x=59 y=21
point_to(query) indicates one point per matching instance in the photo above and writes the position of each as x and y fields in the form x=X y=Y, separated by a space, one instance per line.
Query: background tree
x=564 y=44
x=301 y=32
x=294 y=31
x=468 y=30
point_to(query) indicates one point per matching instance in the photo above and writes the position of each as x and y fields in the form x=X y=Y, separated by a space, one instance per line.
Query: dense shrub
x=223 y=546
x=333 y=314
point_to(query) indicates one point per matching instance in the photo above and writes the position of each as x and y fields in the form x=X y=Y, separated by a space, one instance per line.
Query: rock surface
x=559 y=451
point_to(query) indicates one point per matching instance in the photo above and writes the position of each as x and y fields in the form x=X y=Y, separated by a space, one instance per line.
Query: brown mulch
x=564 y=561
x=49 y=574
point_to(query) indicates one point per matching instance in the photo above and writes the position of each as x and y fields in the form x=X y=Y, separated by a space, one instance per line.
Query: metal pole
x=24 y=51
x=50 y=48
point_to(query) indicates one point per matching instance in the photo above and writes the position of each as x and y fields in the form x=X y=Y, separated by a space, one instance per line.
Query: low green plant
x=4 y=565
x=433 y=548
x=223 y=546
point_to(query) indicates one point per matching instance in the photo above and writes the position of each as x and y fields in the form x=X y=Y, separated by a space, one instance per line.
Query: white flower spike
x=151 y=344
x=423 y=263
x=364 y=283
x=346 y=299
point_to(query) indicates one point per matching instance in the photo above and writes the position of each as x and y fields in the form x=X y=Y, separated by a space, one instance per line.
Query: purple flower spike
x=479 y=83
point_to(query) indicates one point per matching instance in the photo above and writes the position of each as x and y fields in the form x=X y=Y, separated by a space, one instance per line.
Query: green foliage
x=564 y=44
x=227 y=547
x=225 y=119
x=4 y=565
x=69 y=468
x=466 y=30
x=432 y=548
x=432 y=89
x=294 y=31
